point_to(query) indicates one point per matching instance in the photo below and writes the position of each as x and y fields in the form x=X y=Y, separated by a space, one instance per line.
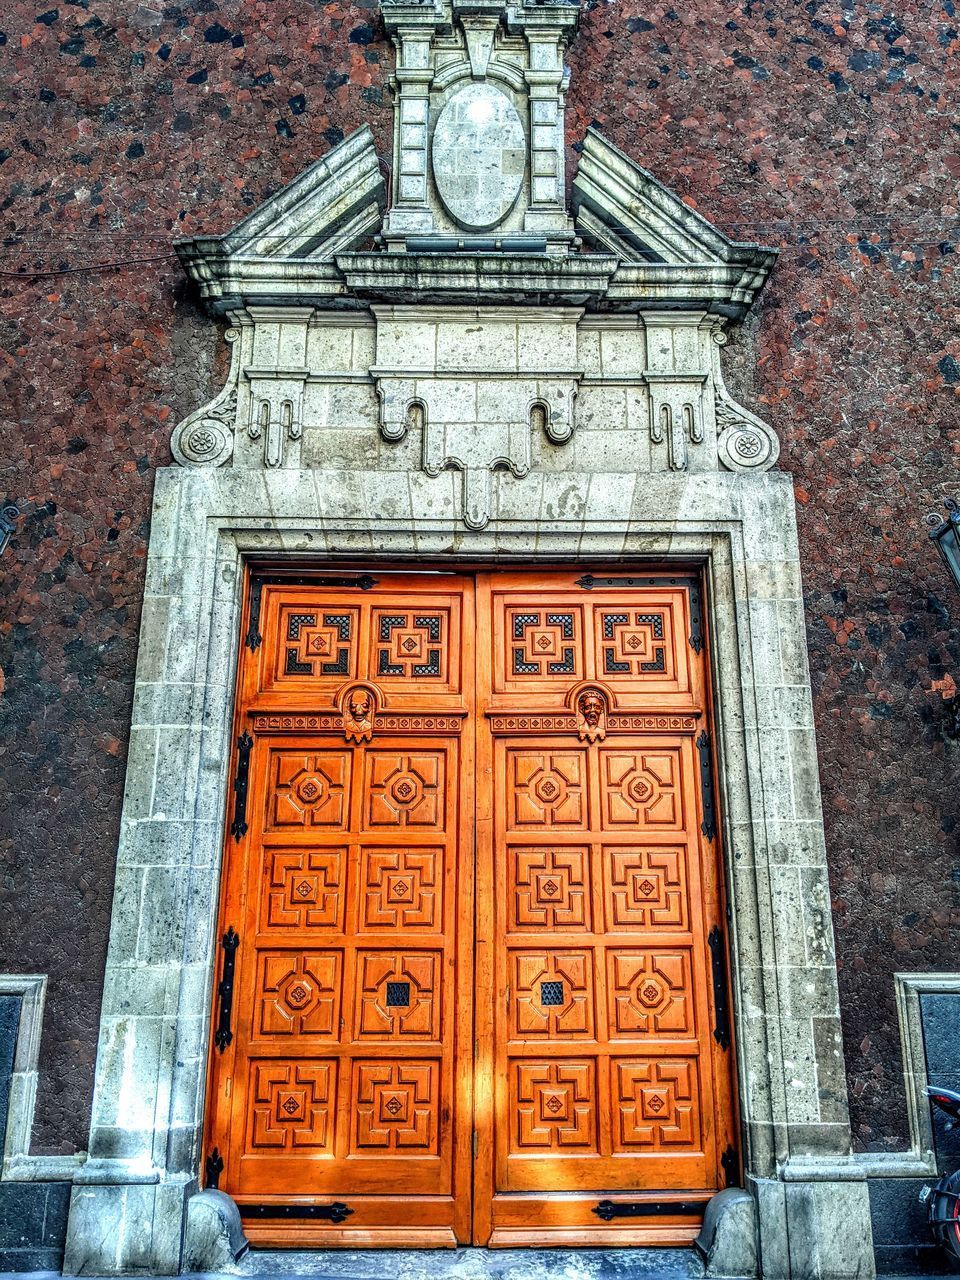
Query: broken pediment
x=332 y=207
x=659 y=240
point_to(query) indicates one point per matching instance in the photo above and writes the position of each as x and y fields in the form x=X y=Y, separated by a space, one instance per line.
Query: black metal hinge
x=358 y=582
x=213 y=1169
x=238 y=828
x=609 y=1209
x=709 y=824
x=728 y=1163
x=335 y=1213
x=721 y=1005
x=229 y=942
x=696 y=617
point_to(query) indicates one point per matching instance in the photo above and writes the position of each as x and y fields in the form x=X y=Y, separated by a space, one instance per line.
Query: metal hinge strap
x=610 y=1209
x=709 y=824
x=229 y=942
x=336 y=1212
x=721 y=1006
x=238 y=828
x=359 y=582
x=213 y=1169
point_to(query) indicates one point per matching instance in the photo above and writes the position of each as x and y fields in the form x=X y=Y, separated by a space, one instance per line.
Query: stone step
x=477 y=1264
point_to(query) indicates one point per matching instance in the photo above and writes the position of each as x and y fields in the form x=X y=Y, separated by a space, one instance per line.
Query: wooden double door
x=471 y=983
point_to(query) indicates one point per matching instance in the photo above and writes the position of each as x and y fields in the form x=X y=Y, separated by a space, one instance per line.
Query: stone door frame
x=128 y=1207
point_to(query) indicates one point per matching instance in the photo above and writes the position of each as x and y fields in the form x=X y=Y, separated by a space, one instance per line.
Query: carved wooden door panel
x=345 y=1076
x=603 y=1087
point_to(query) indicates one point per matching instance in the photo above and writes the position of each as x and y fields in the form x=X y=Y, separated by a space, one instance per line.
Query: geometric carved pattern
x=551 y=888
x=628 y=642
x=555 y=1106
x=318 y=644
x=298 y=993
x=547 y=789
x=640 y=788
x=405 y=790
x=382 y=975
x=307 y=789
x=292 y=1106
x=411 y=646
x=400 y=889
x=658 y=1104
x=303 y=889
x=650 y=993
x=396 y=1108
x=647 y=888
x=552 y=994
x=544 y=643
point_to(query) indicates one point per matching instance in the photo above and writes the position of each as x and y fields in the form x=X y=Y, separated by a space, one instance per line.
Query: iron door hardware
x=213 y=1169
x=230 y=941
x=721 y=1004
x=360 y=582
x=609 y=1209
x=335 y=1213
x=728 y=1163
x=709 y=824
x=238 y=828
x=588 y=582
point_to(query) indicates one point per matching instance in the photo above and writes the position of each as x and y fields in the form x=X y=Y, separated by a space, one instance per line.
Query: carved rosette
x=205 y=437
x=744 y=441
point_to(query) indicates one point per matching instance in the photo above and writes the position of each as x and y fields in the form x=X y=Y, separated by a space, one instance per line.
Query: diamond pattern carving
x=405 y=790
x=640 y=788
x=551 y=888
x=303 y=888
x=647 y=888
x=555 y=1105
x=401 y=889
x=307 y=789
x=292 y=1107
x=657 y=1104
x=545 y=643
x=318 y=644
x=629 y=642
x=547 y=789
x=298 y=993
x=396 y=1108
x=410 y=645
x=650 y=992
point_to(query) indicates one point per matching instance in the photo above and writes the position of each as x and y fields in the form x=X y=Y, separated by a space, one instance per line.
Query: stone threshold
x=476 y=1264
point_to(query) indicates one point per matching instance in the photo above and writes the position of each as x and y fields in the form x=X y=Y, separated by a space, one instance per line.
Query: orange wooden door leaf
x=472 y=995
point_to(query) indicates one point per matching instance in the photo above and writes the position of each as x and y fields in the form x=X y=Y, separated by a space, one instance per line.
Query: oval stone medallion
x=478 y=156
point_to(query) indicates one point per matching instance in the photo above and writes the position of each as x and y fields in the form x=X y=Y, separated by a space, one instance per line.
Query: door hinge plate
x=229 y=942
x=721 y=1004
x=709 y=824
x=238 y=828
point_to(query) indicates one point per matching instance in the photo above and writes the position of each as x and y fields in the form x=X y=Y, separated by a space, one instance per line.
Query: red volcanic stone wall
x=825 y=130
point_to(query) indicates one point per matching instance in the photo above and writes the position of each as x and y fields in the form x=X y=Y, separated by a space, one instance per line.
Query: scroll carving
x=205 y=438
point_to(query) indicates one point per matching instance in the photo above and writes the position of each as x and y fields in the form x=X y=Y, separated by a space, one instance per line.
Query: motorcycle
x=943 y=1198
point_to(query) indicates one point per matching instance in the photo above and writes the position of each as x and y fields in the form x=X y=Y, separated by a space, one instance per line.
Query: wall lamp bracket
x=11 y=513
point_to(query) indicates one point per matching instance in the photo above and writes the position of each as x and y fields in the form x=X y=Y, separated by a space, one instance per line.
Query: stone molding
x=477 y=390
x=146 y=1131
x=18 y=1164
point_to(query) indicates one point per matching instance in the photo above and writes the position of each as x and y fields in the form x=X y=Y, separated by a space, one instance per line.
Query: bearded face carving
x=592 y=715
x=360 y=706
x=359 y=710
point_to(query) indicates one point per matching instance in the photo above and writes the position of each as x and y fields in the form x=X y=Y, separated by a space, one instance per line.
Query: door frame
x=146 y=1128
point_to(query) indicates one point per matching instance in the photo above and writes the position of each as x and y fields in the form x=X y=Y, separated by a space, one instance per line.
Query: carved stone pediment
x=468 y=323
